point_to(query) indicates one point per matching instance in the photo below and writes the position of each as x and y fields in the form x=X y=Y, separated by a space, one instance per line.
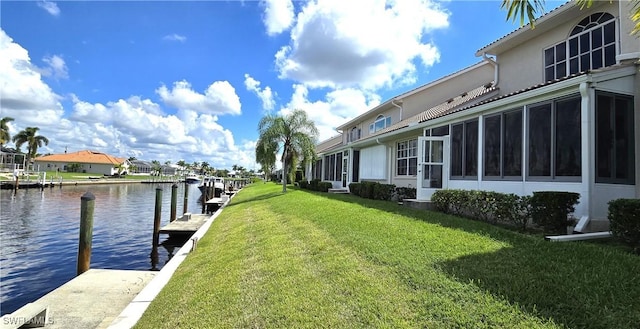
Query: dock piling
x=87 y=204
x=186 y=198
x=174 y=202
x=156 y=219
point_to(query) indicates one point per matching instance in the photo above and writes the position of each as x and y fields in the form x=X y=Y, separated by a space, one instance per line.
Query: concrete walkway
x=91 y=300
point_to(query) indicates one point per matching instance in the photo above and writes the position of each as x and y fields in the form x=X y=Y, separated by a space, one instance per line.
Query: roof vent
x=449 y=100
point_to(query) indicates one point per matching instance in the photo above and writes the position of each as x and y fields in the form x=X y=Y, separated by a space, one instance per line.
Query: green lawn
x=309 y=260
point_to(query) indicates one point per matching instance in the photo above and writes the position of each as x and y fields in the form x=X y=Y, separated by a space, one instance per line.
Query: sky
x=190 y=80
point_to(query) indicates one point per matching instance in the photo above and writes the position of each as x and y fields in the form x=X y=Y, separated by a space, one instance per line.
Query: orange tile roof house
x=90 y=162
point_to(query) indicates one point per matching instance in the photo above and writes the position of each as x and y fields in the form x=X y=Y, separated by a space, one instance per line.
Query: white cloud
x=278 y=15
x=50 y=6
x=219 y=98
x=175 y=37
x=338 y=44
x=265 y=95
x=24 y=95
x=338 y=107
x=56 y=67
x=132 y=126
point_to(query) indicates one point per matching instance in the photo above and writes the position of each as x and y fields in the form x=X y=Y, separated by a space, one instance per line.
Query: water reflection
x=39 y=234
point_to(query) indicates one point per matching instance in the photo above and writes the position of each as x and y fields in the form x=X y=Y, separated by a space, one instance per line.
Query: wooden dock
x=185 y=225
x=91 y=300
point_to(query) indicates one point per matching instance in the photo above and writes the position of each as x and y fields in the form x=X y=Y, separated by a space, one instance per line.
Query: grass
x=308 y=260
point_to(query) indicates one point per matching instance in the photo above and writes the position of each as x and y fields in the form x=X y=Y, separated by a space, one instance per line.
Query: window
x=614 y=139
x=380 y=123
x=592 y=45
x=407 y=158
x=503 y=145
x=438 y=131
x=317 y=170
x=354 y=135
x=333 y=167
x=555 y=139
x=464 y=149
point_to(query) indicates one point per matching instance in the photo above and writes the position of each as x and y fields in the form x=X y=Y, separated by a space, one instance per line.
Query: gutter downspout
x=586 y=128
x=495 y=67
x=393 y=102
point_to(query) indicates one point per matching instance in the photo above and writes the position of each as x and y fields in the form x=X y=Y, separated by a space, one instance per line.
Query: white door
x=345 y=168
x=433 y=166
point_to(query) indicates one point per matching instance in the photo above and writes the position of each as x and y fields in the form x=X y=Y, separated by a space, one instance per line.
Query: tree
x=28 y=135
x=520 y=8
x=156 y=168
x=294 y=134
x=4 y=130
x=204 y=167
x=266 y=156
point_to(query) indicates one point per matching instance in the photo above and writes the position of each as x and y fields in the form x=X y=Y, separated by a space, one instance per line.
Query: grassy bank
x=305 y=259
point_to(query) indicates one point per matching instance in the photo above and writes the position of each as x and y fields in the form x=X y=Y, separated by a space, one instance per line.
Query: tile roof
x=527 y=27
x=442 y=109
x=85 y=156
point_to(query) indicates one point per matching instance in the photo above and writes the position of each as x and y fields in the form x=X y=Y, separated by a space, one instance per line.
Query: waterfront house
x=141 y=167
x=551 y=108
x=11 y=159
x=85 y=161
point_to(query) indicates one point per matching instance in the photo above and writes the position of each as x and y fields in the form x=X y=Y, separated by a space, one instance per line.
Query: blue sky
x=190 y=80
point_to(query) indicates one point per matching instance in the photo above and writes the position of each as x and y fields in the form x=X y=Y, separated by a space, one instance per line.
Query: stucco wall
x=523 y=66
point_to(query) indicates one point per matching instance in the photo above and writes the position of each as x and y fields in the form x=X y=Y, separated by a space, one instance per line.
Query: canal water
x=39 y=234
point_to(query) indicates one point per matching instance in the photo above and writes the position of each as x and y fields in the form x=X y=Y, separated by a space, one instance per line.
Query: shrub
x=303 y=184
x=487 y=206
x=354 y=188
x=324 y=186
x=402 y=193
x=313 y=184
x=366 y=190
x=624 y=216
x=383 y=191
x=551 y=210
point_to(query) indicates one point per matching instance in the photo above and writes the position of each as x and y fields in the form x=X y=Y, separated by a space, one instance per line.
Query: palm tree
x=520 y=8
x=294 y=134
x=204 y=167
x=4 y=130
x=266 y=156
x=28 y=135
x=156 y=168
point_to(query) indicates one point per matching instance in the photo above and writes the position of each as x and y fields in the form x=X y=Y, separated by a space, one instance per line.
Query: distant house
x=551 y=108
x=141 y=167
x=11 y=159
x=82 y=161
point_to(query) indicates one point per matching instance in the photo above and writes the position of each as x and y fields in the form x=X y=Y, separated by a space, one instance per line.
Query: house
x=141 y=167
x=552 y=108
x=83 y=161
x=11 y=159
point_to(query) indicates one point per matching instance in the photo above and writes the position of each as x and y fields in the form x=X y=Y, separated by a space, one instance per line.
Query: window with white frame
x=333 y=167
x=354 y=134
x=503 y=145
x=615 y=160
x=407 y=158
x=554 y=139
x=380 y=123
x=464 y=150
x=591 y=45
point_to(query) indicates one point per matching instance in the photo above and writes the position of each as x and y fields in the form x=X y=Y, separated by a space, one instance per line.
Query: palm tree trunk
x=284 y=172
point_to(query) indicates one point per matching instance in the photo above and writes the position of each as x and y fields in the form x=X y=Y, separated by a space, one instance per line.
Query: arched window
x=380 y=123
x=591 y=45
x=354 y=134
